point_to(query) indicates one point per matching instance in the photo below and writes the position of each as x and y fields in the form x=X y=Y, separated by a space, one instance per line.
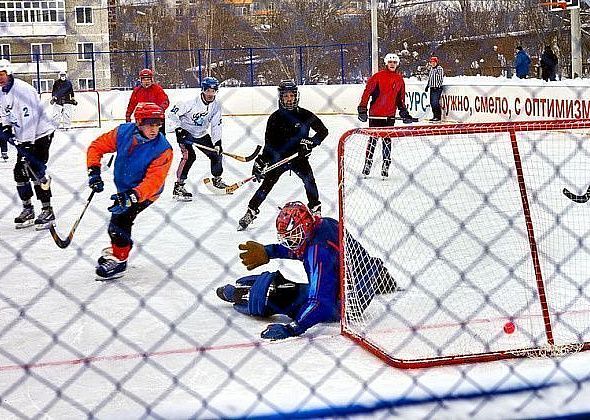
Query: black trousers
x=121 y=224
x=30 y=166
x=372 y=143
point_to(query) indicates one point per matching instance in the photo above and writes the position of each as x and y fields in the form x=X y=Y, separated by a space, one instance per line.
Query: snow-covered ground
x=159 y=343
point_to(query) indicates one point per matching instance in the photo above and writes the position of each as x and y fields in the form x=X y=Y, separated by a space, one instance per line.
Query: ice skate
x=110 y=268
x=180 y=193
x=366 y=170
x=385 y=171
x=248 y=218
x=232 y=294
x=218 y=183
x=105 y=254
x=25 y=219
x=45 y=218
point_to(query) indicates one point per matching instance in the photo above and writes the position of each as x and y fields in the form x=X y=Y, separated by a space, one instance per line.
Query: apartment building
x=42 y=38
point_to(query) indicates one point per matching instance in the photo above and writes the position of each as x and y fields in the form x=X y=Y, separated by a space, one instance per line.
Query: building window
x=84 y=15
x=5 y=51
x=27 y=12
x=43 y=51
x=46 y=85
x=86 y=84
x=85 y=50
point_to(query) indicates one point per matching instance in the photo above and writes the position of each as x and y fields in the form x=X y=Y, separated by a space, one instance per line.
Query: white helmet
x=391 y=57
x=62 y=73
x=6 y=66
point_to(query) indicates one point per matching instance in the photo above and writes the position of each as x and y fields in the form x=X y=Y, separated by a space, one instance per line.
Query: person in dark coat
x=548 y=64
x=62 y=99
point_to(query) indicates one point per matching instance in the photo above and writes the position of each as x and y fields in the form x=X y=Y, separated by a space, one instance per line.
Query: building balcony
x=44 y=67
x=19 y=30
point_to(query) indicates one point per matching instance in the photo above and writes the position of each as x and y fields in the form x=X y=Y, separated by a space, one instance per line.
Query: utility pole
x=576 y=42
x=374 y=38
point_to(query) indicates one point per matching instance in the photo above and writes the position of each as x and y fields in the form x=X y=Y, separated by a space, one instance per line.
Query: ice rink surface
x=158 y=343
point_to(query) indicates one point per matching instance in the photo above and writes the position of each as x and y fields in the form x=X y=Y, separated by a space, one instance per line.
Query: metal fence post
x=93 y=70
x=342 y=64
x=300 y=64
x=251 y=67
x=199 y=61
x=37 y=59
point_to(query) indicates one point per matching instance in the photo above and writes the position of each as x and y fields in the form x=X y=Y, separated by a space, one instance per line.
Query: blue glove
x=6 y=132
x=183 y=136
x=278 y=332
x=362 y=111
x=218 y=147
x=94 y=180
x=258 y=169
x=305 y=147
x=123 y=201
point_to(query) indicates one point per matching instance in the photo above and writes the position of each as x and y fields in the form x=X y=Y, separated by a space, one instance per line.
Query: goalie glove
x=258 y=169
x=362 y=111
x=280 y=331
x=254 y=255
x=122 y=201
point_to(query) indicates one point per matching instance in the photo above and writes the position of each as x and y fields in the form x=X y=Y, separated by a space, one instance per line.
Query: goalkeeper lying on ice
x=314 y=241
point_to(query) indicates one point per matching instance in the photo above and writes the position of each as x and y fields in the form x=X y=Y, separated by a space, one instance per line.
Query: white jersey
x=22 y=109
x=196 y=116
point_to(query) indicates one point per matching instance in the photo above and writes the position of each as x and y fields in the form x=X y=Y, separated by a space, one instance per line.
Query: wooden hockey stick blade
x=62 y=243
x=577 y=198
x=232 y=155
x=227 y=190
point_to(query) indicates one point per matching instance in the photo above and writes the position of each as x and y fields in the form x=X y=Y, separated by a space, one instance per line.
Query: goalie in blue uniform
x=314 y=241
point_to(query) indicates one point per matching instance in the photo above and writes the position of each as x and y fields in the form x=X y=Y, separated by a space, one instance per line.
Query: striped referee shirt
x=435 y=78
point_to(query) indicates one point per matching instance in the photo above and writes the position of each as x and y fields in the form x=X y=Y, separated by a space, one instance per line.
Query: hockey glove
x=182 y=136
x=53 y=100
x=94 y=180
x=122 y=201
x=128 y=119
x=258 y=169
x=254 y=255
x=74 y=102
x=305 y=147
x=279 y=331
x=406 y=117
x=362 y=111
x=218 y=147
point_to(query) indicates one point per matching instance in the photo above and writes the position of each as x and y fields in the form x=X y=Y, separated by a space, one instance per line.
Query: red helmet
x=146 y=74
x=295 y=224
x=434 y=60
x=148 y=113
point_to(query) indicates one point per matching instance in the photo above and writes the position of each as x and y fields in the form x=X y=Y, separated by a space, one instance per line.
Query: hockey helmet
x=295 y=225
x=148 y=113
x=391 y=57
x=288 y=86
x=210 y=83
x=146 y=74
x=6 y=66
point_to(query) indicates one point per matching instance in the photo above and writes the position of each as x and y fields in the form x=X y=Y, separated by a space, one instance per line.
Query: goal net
x=489 y=258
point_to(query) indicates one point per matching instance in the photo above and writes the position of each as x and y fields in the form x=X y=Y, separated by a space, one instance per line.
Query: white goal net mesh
x=473 y=225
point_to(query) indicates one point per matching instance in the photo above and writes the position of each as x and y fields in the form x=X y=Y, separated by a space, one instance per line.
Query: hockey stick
x=236 y=157
x=230 y=189
x=577 y=198
x=64 y=243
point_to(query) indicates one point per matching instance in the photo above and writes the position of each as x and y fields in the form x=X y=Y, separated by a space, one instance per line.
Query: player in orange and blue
x=143 y=159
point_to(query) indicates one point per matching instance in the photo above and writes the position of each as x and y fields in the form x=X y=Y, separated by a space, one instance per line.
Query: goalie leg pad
x=270 y=293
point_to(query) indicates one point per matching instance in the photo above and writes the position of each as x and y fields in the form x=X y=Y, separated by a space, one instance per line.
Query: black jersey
x=285 y=129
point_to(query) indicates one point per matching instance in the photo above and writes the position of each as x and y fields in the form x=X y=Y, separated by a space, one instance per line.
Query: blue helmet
x=210 y=83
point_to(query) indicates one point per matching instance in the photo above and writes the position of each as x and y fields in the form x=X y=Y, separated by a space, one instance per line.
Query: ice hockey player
x=148 y=91
x=313 y=240
x=387 y=91
x=26 y=124
x=62 y=99
x=287 y=133
x=193 y=119
x=143 y=159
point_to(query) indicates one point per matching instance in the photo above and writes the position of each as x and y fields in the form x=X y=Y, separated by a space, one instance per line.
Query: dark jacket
x=63 y=92
x=548 y=64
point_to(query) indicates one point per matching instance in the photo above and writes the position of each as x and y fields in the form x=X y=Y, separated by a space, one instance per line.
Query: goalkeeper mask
x=295 y=225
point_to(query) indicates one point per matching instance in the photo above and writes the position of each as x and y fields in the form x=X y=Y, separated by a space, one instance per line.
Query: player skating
x=62 y=99
x=387 y=91
x=313 y=240
x=287 y=133
x=193 y=119
x=143 y=159
x=147 y=91
x=26 y=124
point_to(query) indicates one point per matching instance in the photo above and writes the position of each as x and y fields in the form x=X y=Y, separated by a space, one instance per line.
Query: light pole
x=374 y=38
x=152 y=49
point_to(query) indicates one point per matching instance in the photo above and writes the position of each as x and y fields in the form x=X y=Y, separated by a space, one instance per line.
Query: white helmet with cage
x=391 y=57
x=6 y=66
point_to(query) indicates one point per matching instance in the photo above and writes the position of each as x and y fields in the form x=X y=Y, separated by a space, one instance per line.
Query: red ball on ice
x=509 y=327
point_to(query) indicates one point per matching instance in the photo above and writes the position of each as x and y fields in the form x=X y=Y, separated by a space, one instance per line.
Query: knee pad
x=20 y=173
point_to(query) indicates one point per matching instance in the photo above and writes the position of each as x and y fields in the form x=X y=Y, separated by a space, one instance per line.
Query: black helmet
x=288 y=86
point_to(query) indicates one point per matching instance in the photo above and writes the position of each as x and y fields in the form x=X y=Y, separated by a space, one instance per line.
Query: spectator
x=548 y=64
x=522 y=63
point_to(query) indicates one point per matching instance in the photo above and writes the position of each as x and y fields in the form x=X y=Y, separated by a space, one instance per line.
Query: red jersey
x=387 y=90
x=154 y=94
